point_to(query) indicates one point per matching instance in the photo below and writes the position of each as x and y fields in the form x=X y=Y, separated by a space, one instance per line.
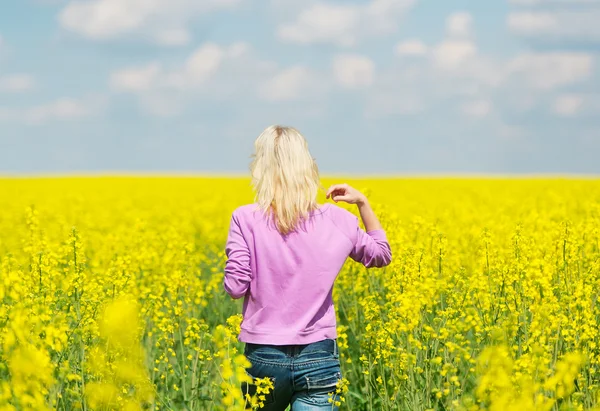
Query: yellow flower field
x=111 y=296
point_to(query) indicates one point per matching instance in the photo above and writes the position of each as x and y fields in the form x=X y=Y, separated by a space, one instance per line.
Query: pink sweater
x=286 y=281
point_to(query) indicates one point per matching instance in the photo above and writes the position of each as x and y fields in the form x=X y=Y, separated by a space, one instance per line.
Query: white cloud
x=411 y=48
x=483 y=71
x=201 y=66
x=568 y=104
x=165 y=21
x=454 y=69
x=323 y=23
x=576 y=104
x=451 y=54
x=220 y=72
x=353 y=70
x=204 y=63
x=455 y=49
x=477 y=108
x=531 y=22
x=385 y=15
x=344 y=24
x=459 y=24
x=62 y=109
x=289 y=84
x=15 y=83
x=552 y=69
x=173 y=37
x=553 y=25
x=135 y=79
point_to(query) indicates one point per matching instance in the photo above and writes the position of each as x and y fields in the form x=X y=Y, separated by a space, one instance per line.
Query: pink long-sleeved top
x=287 y=281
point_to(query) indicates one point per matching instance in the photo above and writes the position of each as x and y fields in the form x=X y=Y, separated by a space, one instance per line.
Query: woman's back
x=287 y=280
x=283 y=255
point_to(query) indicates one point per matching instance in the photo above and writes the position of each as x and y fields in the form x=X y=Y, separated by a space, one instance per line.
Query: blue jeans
x=304 y=376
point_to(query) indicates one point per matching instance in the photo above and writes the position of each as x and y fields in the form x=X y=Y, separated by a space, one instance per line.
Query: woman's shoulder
x=245 y=210
x=340 y=214
x=248 y=212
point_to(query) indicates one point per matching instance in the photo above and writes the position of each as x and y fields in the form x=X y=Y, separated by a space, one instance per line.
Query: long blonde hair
x=285 y=176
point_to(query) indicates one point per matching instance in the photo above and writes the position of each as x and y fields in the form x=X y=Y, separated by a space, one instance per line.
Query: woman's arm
x=238 y=273
x=370 y=248
x=367 y=215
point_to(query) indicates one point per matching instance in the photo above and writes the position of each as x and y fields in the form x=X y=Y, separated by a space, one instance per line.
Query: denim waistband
x=328 y=345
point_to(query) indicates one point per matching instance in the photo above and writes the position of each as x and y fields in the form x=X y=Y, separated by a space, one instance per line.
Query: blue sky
x=376 y=87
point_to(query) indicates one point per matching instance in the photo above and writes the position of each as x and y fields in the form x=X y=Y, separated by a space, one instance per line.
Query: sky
x=375 y=86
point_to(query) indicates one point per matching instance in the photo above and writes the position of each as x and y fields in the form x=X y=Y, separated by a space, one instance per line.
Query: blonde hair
x=285 y=176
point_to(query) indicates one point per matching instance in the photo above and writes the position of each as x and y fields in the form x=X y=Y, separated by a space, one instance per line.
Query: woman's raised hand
x=343 y=192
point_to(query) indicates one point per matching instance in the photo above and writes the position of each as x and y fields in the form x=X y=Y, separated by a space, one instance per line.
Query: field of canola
x=111 y=296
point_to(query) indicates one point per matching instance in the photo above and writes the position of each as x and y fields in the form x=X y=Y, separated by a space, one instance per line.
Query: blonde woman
x=283 y=255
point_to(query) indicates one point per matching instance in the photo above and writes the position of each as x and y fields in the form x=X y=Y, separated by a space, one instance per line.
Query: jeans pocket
x=322 y=386
x=319 y=382
x=252 y=389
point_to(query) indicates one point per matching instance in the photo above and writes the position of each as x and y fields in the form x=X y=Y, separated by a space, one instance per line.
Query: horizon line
x=219 y=174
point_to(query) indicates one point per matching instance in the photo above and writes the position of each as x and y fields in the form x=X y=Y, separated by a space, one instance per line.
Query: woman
x=283 y=255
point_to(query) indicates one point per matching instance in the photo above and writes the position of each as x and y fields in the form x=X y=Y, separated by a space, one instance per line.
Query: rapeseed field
x=111 y=296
